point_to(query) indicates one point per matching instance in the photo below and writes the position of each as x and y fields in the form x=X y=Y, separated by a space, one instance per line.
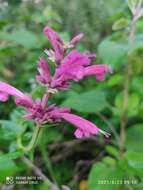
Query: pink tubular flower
x=98 y=70
x=6 y=90
x=77 y=39
x=56 y=42
x=44 y=72
x=3 y=96
x=84 y=127
x=75 y=67
x=72 y=66
x=39 y=112
x=60 y=47
x=69 y=66
x=53 y=113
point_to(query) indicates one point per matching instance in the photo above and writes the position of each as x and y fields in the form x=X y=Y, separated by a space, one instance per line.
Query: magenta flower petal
x=100 y=77
x=77 y=39
x=25 y=103
x=51 y=54
x=44 y=68
x=3 y=97
x=10 y=90
x=98 y=70
x=91 y=55
x=76 y=58
x=84 y=127
x=71 y=68
x=44 y=71
x=52 y=35
x=56 y=41
x=40 y=79
x=78 y=133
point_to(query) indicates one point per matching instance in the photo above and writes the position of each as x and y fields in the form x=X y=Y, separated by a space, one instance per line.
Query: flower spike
x=70 y=66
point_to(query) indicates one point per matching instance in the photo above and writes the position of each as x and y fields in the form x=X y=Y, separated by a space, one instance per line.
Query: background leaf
x=112 y=53
x=121 y=23
x=101 y=175
x=135 y=162
x=87 y=102
x=134 y=138
x=21 y=37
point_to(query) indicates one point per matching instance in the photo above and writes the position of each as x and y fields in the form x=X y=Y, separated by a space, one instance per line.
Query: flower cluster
x=69 y=66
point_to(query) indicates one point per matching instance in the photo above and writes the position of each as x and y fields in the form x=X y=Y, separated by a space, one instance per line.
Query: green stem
x=49 y=167
x=47 y=161
x=127 y=73
x=32 y=142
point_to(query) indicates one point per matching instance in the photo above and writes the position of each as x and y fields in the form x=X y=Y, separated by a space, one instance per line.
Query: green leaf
x=133 y=103
x=9 y=129
x=7 y=168
x=101 y=172
x=137 y=84
x=12 y=127
x=119 y=100
x=51 y=136
x=88 y=102
x=112 y=151
x=121 y=23
x=115 y=80
x=65 y=36
x=138 y=41
x=112 y=53
x=135 y=162
x=43 y=186
x=138 y=186
x=11 y=155
x=109 y=161
x=38 y=91
x=134 y=138
x=22 y=37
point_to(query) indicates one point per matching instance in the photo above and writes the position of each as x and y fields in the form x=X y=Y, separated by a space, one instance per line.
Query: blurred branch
x=82 y=166
x=39 y=173
x=67 y=148
x=73 y=142
x=136 y=15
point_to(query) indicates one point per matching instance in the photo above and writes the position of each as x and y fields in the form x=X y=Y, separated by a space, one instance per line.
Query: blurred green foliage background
x=80 y=164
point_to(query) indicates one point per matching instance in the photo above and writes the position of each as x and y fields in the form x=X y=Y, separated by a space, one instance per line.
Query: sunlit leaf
x=121 y=23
